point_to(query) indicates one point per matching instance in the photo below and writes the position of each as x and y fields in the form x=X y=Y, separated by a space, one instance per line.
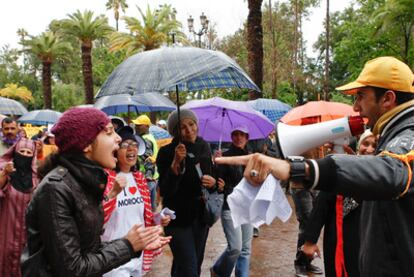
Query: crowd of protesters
x=80 y=199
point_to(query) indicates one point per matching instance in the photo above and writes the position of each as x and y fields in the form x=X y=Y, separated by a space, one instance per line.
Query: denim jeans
x=237 y=253
x=152 y=187
x=303 y=200
x=187 y=246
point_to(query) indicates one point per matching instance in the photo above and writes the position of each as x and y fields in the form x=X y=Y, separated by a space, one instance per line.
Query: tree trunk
x=326 y=86
x=47 y=84
x=116 y=19
x=255 y=44
x=295 y=52
x=153 y=117
x=87 y=71
x=274 y=49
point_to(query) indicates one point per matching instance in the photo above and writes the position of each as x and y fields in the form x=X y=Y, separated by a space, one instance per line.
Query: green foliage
x=10 y=71
x=104 y=62
x=286 y=94
x=235 y=47
x=66 y=96
x=397 y=17
x=85 y=26
x=361 y=33
x=48 y=47
x=342 y=98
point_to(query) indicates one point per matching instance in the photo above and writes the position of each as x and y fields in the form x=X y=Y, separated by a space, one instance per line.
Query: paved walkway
x=272 y=256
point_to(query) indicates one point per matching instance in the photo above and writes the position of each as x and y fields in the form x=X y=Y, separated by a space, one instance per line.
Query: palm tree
x=86 y=28
x=47 y=47
x=116 y=5
x=22 y=33
x=255 y=44
x=148 y=33
x=15 y=92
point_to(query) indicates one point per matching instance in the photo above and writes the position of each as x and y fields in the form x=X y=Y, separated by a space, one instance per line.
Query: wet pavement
x=273 y=251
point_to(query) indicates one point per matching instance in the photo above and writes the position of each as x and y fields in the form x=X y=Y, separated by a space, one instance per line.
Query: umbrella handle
x=223 y=113
x=178 y=113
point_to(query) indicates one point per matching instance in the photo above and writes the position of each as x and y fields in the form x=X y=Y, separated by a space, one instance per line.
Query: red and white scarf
x=110 y=205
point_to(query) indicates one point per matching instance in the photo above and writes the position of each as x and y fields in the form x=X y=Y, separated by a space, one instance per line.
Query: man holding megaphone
x=385 y=96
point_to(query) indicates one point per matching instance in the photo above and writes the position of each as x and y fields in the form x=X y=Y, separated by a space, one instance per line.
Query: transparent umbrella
x=40 y=117
x=11 y=107
x=175 y=69
x=145 y=102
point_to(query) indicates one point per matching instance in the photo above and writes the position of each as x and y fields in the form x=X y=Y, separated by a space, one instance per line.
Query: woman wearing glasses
x=127 y=202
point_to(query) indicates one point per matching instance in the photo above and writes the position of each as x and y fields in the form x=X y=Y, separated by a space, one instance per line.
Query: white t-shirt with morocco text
x=129 y=210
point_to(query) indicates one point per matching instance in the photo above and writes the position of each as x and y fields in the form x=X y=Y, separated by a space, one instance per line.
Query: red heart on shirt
x=132 y=190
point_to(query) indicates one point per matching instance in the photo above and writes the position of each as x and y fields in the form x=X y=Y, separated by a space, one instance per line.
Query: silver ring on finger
x=254 y=173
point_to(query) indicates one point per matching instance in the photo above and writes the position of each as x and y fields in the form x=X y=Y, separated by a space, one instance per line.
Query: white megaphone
x=296 y=140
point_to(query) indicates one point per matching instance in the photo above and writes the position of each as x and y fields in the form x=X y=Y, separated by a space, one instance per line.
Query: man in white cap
x=385 y=96
x=237 y=254
x=162 y=123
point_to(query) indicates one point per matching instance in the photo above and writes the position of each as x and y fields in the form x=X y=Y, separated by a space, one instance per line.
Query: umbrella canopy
x=271 y=108
x=218 y=116
x=158 y=132
x=145 y=102
x=188 y=68
x=323 y=110
x=11 y=107
x=40 y=117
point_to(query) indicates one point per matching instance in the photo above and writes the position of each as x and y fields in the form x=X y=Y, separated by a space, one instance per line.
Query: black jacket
x=182 y=193
x=324 y=215
x=64 y=224
x=387 y=224
x=231 y=174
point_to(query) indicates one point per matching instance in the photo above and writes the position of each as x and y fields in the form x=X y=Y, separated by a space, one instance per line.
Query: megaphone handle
x=338 y=149
x=338 y=145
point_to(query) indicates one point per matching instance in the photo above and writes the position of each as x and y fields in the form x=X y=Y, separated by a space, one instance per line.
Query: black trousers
x=187 y=246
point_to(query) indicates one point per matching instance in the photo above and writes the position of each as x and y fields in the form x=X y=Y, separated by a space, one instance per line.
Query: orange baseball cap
x=383 y=72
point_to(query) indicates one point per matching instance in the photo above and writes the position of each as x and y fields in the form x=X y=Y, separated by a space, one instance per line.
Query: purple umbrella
x=218 y=116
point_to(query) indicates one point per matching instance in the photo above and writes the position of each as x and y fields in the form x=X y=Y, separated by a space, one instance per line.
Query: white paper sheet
x=258 y=205
x=162 y=214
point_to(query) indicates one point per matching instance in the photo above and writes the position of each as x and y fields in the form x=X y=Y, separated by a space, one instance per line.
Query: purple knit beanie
x=78 y=127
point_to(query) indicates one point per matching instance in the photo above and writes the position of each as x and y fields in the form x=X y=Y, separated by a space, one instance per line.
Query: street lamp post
x=204 y=27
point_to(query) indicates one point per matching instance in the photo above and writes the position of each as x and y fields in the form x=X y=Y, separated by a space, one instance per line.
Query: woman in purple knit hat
x=65 y=217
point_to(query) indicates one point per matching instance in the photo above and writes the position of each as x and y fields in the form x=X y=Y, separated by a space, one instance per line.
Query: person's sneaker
x=255 y=232
x=300 y=271
x=314 y=269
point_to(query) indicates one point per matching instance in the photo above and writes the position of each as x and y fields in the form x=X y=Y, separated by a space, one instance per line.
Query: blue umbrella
x=40 y=117
x=11 y=107
x=175 y=69
x=145 y=102
x=271 y=108
x=218 y=116
x=158 y=132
